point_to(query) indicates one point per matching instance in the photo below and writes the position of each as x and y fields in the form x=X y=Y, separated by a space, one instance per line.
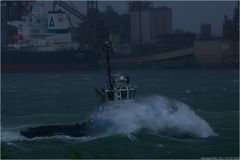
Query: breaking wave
x=158 y=115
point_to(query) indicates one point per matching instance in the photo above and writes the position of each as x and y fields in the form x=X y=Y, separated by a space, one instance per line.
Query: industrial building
x=161 y=22
x=148 y=24
x=214 y=52
x=135 y=28
x=206 y=31
x=169 y=42
x=227 y=29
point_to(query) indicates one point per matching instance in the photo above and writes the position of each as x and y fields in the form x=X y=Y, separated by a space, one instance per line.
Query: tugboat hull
x=89 y=128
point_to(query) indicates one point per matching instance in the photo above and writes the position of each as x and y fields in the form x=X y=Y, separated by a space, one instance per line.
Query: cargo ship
x=43 y=42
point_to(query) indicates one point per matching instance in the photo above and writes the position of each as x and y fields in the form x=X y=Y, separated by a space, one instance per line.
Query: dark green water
x=46 y=98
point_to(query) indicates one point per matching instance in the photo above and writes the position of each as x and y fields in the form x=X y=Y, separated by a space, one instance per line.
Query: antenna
x=108 y=46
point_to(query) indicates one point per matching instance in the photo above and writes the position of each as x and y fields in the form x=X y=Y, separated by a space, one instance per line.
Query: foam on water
x=10 y=136
x=7 y=136
x=159 y=115
x=155 y=114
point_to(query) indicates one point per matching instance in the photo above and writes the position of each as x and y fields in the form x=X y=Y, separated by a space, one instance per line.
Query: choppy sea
x=187 y=113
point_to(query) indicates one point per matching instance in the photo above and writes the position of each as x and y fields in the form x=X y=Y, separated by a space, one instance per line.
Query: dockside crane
x=70 y=9
x=93 y=28
x=94 y=31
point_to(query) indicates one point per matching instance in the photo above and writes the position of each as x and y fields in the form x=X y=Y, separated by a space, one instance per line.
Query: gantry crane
x=70 y=9
x=94 y=28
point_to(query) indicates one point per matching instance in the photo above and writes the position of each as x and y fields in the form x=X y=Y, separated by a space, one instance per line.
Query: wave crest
x=158 y=114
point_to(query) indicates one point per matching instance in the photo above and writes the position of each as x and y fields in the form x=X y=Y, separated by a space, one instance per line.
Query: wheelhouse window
x=124 y=95
x=134 y=92
x=131 y=93
x=110 y=95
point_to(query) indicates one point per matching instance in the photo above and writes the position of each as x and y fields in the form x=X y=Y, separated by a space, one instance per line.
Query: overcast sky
x=187 y=15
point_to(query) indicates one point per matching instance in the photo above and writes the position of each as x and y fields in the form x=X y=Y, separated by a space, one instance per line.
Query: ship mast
x=108 y=46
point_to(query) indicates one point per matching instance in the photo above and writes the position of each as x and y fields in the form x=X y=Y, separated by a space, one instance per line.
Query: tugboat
x=118 y=91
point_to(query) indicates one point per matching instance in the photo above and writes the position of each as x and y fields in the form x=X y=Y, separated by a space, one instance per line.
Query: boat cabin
x=121 y=90
x=120 y=94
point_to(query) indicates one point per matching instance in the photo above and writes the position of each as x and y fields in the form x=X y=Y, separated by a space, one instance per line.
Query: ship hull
x=8 y=68
x=89 y=128
x=29 y=61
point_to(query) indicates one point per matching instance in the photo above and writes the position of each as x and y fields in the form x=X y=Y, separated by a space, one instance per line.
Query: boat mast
x=108 y=46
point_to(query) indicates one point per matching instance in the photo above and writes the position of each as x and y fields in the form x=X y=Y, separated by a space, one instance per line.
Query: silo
x=135 y=27
x=161 y=22
x=146 y=23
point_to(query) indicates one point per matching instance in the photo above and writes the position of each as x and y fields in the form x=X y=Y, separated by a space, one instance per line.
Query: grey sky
x=187 y=15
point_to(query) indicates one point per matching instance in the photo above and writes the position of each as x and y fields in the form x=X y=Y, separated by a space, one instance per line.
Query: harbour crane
x=93 y=31
x=93 y=27
x=70 y=9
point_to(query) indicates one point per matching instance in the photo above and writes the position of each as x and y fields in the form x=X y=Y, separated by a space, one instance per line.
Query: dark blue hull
x=24 y=61
x=89 y=128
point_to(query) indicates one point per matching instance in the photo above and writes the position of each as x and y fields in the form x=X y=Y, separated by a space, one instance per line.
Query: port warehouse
x=202 y=53
x=152 y=32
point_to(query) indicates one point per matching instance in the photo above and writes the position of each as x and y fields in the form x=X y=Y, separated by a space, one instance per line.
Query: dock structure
x=158 y=57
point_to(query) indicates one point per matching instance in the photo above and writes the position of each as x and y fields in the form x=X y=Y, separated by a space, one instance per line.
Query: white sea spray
x=159 y=115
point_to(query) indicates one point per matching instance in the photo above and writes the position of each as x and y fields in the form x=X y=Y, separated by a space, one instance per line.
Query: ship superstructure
x=41 y=32
x=118 y=88
x=43 y=40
